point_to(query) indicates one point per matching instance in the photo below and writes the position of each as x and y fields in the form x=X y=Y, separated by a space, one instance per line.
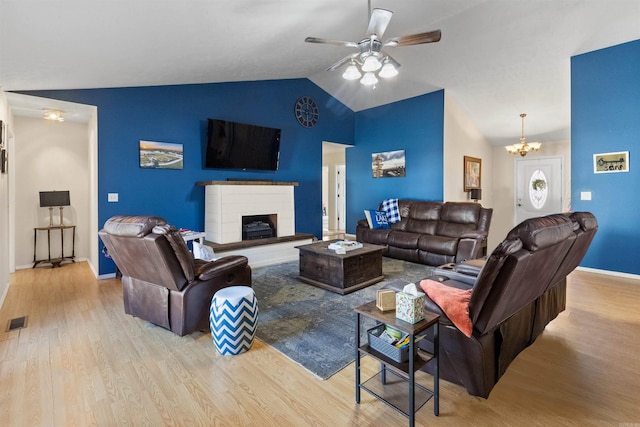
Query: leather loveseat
x=514 y=294
x=432 y=233
x=162 y=283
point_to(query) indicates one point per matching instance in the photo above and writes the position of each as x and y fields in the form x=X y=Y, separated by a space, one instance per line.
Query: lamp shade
x=369 y=79
x=476 y=194
x=388 y=70
x=54 y=198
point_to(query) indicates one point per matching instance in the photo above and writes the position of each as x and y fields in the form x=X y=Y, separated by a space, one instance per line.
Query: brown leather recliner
x=515 y=293
x=161 y=281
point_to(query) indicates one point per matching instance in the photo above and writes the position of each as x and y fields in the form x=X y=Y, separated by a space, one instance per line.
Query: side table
x=403 y=371
x=189 y=235
x=55 y=262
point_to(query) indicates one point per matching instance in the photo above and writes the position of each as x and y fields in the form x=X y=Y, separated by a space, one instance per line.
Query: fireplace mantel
x=226 y=202
x=203 y=183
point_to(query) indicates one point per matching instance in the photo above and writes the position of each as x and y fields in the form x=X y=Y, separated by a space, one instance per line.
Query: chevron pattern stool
x=233 y=319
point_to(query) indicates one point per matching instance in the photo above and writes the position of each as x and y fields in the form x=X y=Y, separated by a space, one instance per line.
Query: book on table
x=347 y=245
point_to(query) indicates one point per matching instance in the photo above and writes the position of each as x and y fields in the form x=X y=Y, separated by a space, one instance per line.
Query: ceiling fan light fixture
x=369 y=79
x=351 y=73
x=371 y=63
x=388 y=71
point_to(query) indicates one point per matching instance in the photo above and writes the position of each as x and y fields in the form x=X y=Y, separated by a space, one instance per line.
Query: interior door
x=340 y=196
x=539 y=187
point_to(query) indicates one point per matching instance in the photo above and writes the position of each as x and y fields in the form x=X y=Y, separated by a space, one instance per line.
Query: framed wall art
x=472 y=173
x=611 y=162
x=161 y=155
x=390 y=164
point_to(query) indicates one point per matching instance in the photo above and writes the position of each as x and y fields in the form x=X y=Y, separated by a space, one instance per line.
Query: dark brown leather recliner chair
x=161 y=281
x=515 y=293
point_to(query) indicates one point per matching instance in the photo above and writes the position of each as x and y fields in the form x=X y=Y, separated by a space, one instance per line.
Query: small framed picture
x=611 y=162
x=161 y=155
x=390 y=164
x=472 y=173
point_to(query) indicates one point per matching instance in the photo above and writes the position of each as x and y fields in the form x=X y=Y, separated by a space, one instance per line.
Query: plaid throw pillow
x=390 y=206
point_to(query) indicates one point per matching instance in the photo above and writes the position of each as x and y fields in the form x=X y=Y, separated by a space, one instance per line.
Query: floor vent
x=17 y=323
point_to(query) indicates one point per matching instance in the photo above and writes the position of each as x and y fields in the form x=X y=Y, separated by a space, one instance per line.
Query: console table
x=55 y=262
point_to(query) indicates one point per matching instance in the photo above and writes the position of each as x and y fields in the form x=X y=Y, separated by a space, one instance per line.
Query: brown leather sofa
x=161 y=281
x=432 y=233
x=515 y=293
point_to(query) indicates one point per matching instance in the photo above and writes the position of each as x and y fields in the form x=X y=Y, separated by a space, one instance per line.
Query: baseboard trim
x=609 y=273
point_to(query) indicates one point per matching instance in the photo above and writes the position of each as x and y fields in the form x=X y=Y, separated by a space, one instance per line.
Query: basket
x=391 y=351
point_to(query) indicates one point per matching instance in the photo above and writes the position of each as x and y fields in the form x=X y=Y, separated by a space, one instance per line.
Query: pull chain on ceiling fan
x=371 y=55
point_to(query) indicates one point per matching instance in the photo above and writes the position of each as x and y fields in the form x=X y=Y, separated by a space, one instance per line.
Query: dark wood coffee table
x=340 y=273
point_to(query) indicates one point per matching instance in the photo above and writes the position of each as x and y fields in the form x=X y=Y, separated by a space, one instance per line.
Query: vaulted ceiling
x=497 y=58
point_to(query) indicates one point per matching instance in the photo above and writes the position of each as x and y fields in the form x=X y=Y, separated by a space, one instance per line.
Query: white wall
x=5 y=239
x=50 y=156
x=462 y=138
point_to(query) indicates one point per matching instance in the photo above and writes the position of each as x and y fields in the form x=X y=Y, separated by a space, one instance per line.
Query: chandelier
x=371 y=58
x=523 y=147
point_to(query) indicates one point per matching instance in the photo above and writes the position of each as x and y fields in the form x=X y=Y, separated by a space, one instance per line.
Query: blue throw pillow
x=390 y=206
x=376 y=219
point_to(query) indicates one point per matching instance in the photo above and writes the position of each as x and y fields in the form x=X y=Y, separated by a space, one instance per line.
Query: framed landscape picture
x=472 y=173
x=160 y=155
x=611 y=162
x=390 y=164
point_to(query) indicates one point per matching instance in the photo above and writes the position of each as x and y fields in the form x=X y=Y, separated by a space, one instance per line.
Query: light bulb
x=369 y=79
x=371 y=63
x=388 y=70
x=351 y=73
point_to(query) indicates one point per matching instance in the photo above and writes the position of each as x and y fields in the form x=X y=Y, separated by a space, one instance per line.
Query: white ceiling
x=497 y=58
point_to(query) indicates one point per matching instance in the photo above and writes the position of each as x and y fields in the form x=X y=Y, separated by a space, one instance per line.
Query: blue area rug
x=312 y=326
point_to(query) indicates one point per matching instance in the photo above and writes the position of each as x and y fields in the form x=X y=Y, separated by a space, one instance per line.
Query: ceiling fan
x=371 y=55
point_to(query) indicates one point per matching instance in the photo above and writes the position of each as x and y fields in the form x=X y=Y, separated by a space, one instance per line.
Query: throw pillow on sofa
x=390 y=206
x=376 y=219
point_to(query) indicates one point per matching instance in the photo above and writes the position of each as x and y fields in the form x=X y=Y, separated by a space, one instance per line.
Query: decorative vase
x=233 y=319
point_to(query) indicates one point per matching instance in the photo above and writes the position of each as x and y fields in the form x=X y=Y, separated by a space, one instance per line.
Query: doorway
x=333 y=190
x=539 y=187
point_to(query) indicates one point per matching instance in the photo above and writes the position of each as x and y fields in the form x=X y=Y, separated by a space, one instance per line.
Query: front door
x=539 y=187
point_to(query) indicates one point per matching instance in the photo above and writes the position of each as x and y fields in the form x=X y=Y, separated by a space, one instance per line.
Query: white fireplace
x=227 y=202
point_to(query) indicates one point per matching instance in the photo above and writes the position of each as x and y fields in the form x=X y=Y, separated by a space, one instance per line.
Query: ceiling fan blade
x=334 y=42
x=378 y=22
x=420 y=38
x=342 y=62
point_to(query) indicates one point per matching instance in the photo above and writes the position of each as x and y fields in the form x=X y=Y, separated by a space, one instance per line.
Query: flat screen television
x=232 y=145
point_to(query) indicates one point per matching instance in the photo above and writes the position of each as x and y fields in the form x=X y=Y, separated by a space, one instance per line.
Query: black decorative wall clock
x=306 y=111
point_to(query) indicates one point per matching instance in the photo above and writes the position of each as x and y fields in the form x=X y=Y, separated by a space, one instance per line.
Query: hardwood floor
x=81 y=361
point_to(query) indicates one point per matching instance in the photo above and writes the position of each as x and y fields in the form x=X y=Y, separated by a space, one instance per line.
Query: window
x=538 y=189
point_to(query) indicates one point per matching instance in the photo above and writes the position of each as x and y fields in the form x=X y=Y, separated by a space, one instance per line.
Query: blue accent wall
x=415 y=125
x=178 y=114
x=605 y=112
